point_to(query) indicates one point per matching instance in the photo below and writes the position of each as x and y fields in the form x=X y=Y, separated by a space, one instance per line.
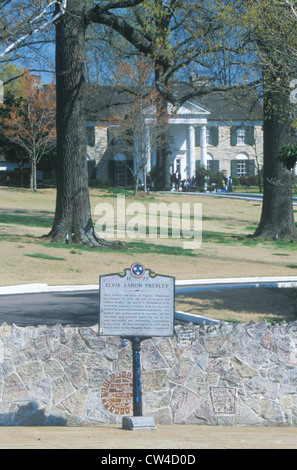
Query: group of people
x=227 y=184
x=186 y=185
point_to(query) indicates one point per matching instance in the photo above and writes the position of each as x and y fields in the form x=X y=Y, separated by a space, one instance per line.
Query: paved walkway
x=165 y=437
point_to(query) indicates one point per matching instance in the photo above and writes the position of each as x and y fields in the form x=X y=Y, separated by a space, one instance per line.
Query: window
x=241 y=168
x=120 y=173
x=242 y=135
x=120 y=170
x=212 y=136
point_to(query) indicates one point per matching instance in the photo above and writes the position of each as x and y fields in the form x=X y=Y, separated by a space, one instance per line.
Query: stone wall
x=243 y=374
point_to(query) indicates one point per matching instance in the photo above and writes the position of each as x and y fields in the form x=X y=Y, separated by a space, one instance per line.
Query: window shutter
x=215 y=167
x=250 y=135
x=233 y=136
x=250 y=167
x=197 y=136
x=214 y=136
x=234 y=168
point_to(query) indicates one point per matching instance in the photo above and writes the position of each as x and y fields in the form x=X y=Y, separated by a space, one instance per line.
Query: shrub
x=288 y=156
x=217 y=179
x=201 y=177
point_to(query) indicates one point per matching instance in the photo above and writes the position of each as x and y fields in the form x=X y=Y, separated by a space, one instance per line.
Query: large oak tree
x=271 y=35
x=73 y=213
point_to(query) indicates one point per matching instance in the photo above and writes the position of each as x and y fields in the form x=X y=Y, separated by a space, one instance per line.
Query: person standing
x=149 y=183
x=177 y=180
x=226 y=184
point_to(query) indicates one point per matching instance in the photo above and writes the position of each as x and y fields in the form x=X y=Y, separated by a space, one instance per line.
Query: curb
x=181 y=287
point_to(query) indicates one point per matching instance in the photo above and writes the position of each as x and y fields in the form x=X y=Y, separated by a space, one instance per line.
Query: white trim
x=190 y=120
x=242 y=156
x=234 y=123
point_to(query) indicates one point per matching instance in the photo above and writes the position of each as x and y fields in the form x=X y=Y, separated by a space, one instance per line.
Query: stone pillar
x=203 y=143
x=191 y=151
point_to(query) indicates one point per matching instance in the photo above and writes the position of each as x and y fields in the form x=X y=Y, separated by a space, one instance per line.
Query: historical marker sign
x=136 y=303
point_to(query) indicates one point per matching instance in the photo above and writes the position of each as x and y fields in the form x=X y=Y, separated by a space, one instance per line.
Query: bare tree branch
x=59 y=12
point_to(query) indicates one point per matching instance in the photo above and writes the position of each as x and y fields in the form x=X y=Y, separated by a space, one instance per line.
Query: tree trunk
x=277 y=218
x=34 y=171
x=163 y=182
x=73 y=212
x=33 y=185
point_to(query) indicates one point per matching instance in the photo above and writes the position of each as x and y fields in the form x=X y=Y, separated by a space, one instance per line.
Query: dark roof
x=104 y=102
x=232 y=107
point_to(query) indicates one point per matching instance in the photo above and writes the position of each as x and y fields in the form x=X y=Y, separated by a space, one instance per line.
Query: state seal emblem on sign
x=137 y=270
x=117 y=393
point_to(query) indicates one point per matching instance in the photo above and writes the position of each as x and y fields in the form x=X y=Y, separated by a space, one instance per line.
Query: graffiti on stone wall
x=117 y=393
x=223 y=400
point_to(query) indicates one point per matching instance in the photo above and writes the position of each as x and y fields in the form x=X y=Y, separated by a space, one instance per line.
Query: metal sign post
x=136 y=306
x=137 y=388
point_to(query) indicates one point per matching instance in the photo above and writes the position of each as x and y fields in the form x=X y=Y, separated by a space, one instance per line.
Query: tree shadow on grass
x=242 y=304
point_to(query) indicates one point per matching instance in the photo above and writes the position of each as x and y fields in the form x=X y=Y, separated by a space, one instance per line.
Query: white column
x=191 y=151
x=203 y=143
x=147 y=149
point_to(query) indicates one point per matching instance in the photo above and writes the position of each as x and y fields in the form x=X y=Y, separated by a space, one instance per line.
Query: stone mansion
x=219 y=133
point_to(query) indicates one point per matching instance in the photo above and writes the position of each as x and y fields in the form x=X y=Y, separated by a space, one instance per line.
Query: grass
x=225 y=251
x=27 y=220
x=132 y=247
x=140 y=247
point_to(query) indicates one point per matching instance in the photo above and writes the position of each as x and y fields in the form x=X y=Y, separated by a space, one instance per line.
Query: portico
x=183 y=128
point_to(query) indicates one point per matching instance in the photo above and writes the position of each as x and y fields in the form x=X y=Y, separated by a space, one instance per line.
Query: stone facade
x=242 y=374
x=225 y=153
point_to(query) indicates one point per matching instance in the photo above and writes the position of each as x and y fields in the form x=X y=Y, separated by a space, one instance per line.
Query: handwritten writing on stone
x=223 y=399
